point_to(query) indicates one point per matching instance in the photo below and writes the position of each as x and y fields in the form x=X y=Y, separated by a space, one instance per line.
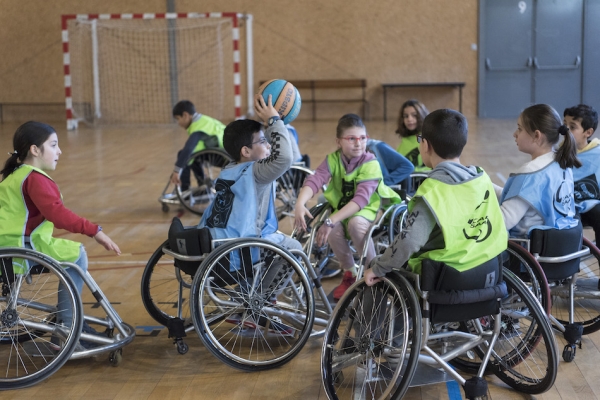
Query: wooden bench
x=387 y=86
x=317 y=84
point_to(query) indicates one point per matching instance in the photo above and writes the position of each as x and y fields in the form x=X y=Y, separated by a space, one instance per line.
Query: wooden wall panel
x=383 y=41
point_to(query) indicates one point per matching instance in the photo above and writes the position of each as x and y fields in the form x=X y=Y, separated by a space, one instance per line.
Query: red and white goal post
x=132 y=68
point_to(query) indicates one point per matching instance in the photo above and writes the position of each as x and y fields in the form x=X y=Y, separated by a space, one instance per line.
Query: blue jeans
x=64 y=311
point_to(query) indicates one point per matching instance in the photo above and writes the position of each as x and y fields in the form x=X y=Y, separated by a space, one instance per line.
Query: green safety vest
x=342 y=187
x=13 y=220
x=409 y=148
x=470 y=218
x=211 y=127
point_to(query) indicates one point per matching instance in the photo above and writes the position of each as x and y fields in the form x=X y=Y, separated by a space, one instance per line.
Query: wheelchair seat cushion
x=556 y=243
x=457 y=296
x=189 y=241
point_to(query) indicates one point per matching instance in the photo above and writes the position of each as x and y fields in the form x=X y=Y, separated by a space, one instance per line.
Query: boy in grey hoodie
x=460 y=198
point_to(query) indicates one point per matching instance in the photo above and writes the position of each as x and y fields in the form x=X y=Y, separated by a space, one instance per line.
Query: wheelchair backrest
x=557 y=243
x=462 y=295
x=189 y=241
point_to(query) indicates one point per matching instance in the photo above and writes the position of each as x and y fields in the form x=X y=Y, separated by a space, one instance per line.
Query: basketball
x=285 y=97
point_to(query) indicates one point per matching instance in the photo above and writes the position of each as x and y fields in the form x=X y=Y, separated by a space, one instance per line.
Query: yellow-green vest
x=13 y=220
x=208 y=125
x=470 y=218
x=342 y=187
x=409 y=148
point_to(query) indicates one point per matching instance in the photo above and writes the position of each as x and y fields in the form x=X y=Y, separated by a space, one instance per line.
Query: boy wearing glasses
x=459 y=198
x=355 y=191
x=244 y=205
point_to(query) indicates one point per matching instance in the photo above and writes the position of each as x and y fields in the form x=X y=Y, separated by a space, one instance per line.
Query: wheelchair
x=205 y=165
x=379 y=336
x=382 y=232
x=561 y=269
x=251 y=302
x=33 y=344
x=287 y=188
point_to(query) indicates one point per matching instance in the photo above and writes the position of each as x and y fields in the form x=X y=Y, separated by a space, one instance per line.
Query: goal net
x=132 y=69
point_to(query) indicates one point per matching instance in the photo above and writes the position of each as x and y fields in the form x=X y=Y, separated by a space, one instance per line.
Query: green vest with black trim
x=470 y=218
x=13 y=220
x=211 y=127
x=342 y=186
x=409 y=148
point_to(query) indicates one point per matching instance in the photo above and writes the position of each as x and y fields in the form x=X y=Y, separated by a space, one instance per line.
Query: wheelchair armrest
x=559 y=259
x=182 y=257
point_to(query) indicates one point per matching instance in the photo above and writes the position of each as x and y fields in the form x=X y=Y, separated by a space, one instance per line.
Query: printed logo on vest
x=587 y=189
x=347 y=193
x=563 y=199
x=222 y=205
x=413 y=156
x=479 y=228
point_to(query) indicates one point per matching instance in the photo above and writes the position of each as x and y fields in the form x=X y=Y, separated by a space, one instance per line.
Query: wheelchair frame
x=563 y=288
x=306 y=282
x=384 y=379
x=31 y=327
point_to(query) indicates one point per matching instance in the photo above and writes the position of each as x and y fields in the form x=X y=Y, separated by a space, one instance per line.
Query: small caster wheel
x=569 y=352
x=115 y=357
x=165 y=208
x=182 y=347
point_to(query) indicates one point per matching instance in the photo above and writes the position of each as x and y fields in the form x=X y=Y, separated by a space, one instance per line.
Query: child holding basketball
x=355 y=190
x=454 y=195
x=246 y=184
x=582 y=121
x=541 y=191
x=204 y=132
x=31 y=205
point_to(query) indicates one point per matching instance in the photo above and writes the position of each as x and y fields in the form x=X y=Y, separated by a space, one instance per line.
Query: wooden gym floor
x=114 y=176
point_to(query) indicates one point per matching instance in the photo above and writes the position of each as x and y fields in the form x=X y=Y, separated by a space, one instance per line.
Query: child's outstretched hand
x=300 y=214
x=264 y=110
x=107 y=242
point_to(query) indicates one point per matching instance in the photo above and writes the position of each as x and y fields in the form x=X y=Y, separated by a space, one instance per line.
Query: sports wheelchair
x=33 y=344
x=379 y=336
x=287 y=187
x=205 y=165
x=383 y=231
x=561 y=269
x=251 y=302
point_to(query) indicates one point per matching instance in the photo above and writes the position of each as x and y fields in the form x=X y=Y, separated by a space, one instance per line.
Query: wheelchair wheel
x=162 y=286
x=371 y=347
x=526 y=267
x=525 y=356
x=241 y=307
x=319 y=256
x=207 y=163
x=286 y=191
x=384 y=237
x=586 y=305
x=33 y=346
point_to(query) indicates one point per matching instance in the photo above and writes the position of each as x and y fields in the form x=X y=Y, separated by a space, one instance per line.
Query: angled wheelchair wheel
x=205 y=165
x=320 y=256
x=525 y=266
x=586 y=306
x=252 y=304
x=384 y=236
x=33 y=344
x=164 y=287
x=525 y=356
x=371 y=347
x=287 y=188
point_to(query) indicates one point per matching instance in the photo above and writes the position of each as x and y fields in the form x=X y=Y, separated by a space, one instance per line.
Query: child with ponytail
x=541 y=191
x=31 y=205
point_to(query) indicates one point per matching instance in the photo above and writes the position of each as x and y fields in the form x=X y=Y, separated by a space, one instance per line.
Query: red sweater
x=43 y=202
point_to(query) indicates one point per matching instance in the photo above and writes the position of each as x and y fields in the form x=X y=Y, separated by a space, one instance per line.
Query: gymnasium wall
x=383 y=41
